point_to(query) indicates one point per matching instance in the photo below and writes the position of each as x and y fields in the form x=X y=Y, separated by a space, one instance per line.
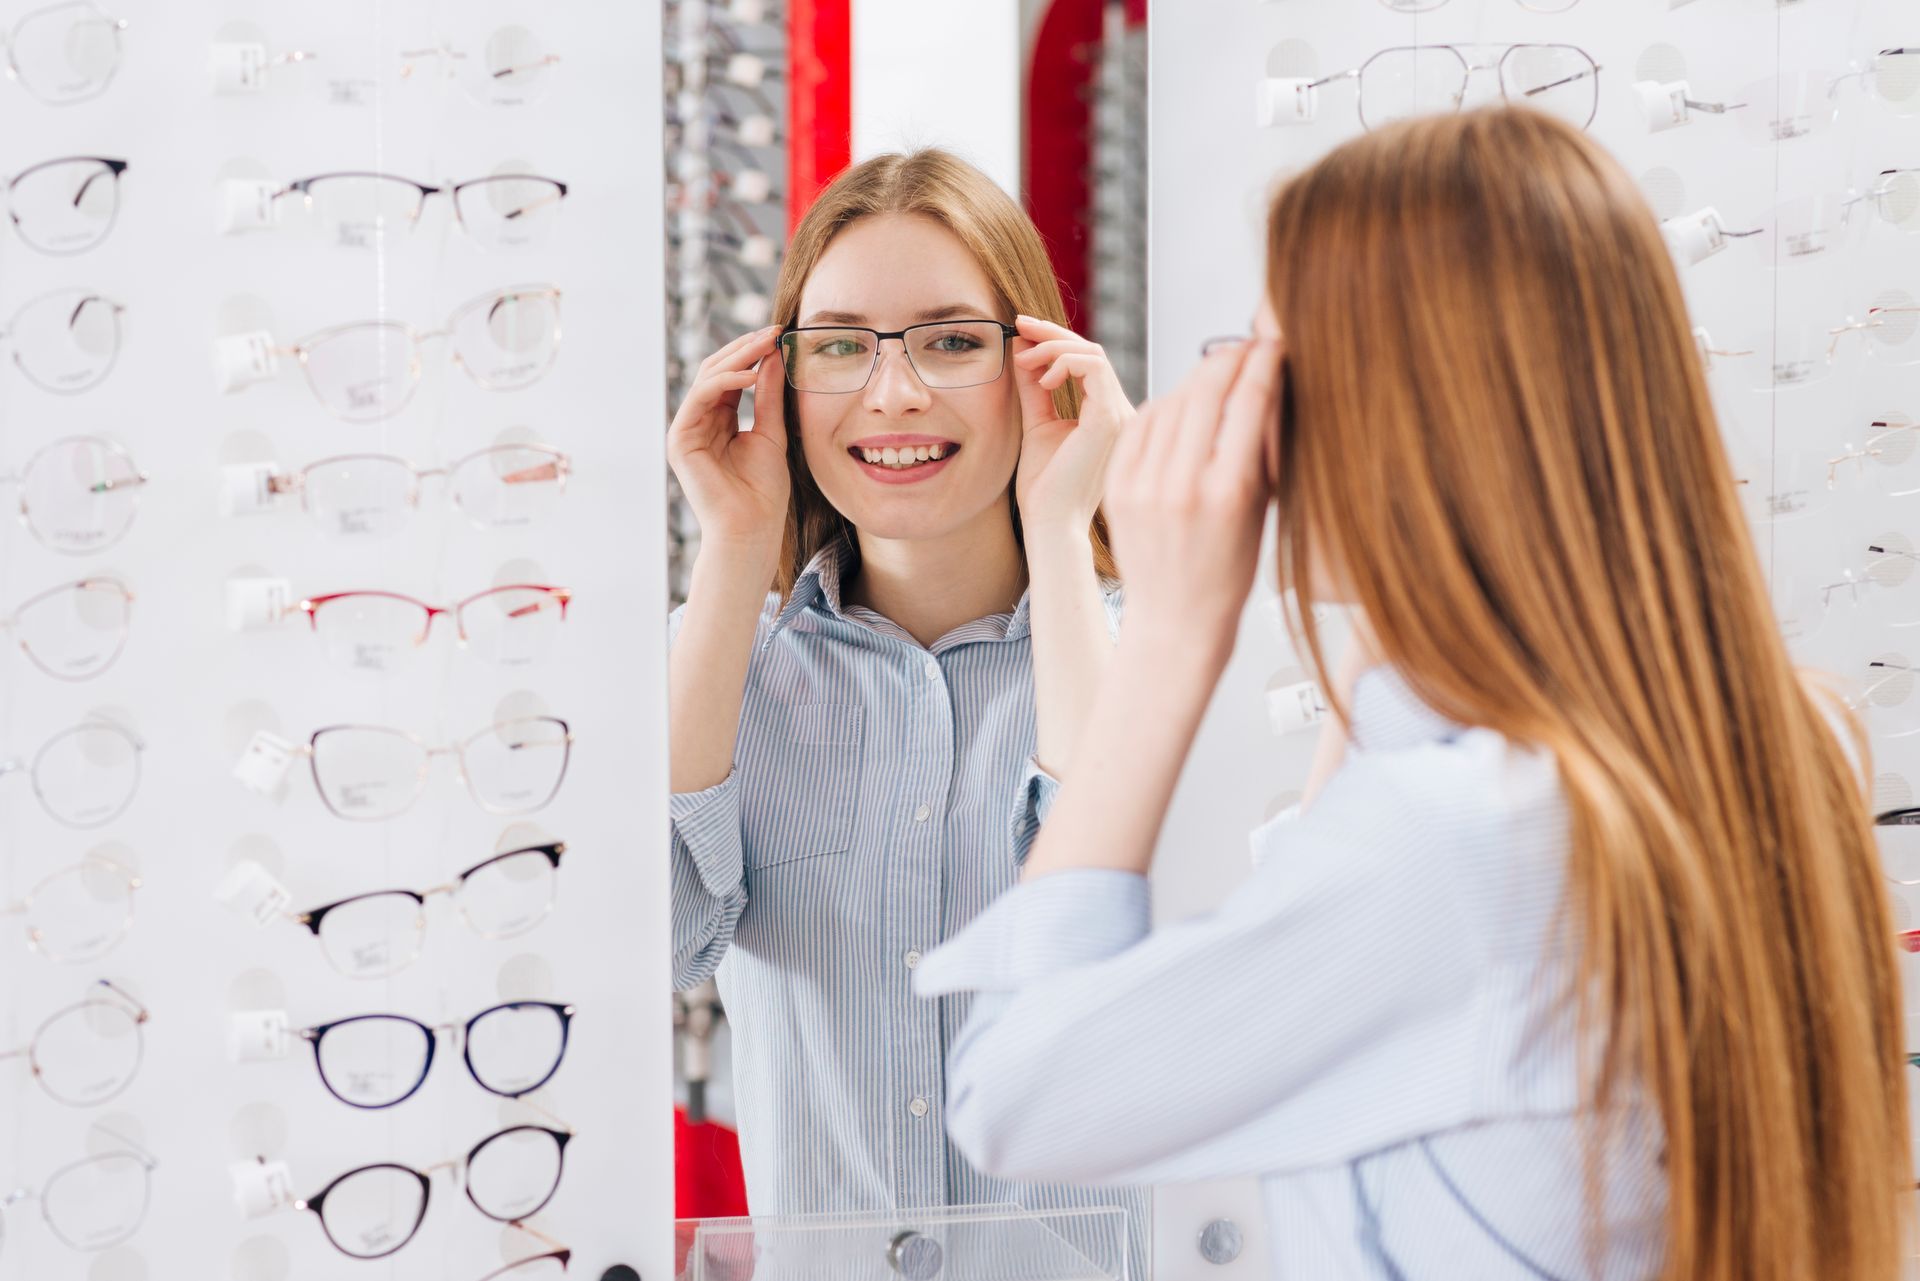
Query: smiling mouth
x=904 y=458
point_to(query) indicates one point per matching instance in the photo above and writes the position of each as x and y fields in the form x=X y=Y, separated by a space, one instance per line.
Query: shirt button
x=922 y=814
x=913 y=959
x=918 y=1107
x=932 y=670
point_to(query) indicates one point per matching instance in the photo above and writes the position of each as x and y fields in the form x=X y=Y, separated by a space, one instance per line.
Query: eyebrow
x=947 y=311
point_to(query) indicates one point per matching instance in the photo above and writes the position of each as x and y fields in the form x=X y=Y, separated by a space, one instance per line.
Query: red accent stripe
x=820 y=98
x=1060 y=145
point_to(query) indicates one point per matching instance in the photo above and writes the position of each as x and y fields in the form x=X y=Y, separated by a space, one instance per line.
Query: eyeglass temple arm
x=1564 y=80
x=536 y=1234
x=140 y=1012
x=1352 y=74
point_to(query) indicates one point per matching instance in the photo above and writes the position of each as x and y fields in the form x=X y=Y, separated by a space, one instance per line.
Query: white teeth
x=922 y=452
x=889 y=456
x=937 y=451
x=903 y=457
x=872 y=455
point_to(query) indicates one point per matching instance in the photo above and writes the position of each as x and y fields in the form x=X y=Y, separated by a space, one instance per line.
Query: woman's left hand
x=1063 y=461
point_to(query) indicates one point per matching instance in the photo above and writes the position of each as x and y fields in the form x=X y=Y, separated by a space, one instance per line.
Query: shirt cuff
x=1038 y=791
x=707 y=822
x=1052 y=923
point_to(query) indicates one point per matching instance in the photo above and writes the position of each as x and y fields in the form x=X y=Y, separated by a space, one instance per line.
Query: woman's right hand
x=737 y=482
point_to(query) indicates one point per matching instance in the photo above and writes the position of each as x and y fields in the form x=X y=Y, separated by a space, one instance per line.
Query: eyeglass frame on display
x=462 y=1032
x=147 y=1161
x=459 y=1165
x=139 y=1014
x=15 y=74
x=314 y=918
x=311 y=606
x=302 y=350
x=279 y=483
x=13 y=765
x=87 y=296
x=24 y=906
x=303 y=186
x=114 y=168
x=11 y=622
x=457 y=751
x=1467 y=70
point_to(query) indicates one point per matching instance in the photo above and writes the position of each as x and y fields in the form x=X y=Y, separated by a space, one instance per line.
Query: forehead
x=892 y=268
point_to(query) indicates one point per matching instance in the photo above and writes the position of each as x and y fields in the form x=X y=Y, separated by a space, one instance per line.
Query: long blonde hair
x=1002 y=239
x=1497 y=426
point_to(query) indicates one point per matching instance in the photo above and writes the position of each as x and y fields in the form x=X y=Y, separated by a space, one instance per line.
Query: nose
x=895 y=389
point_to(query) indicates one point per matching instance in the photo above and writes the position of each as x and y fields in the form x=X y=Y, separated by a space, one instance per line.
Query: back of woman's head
x=1498 y=436
x=935 y=184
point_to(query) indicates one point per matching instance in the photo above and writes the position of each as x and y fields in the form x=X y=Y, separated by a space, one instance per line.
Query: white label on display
x=238 y=67
x=1292 y=708
x=747 y=70
x=1695 y=237
x=749 y=310
x=247 y=488
x=257 y=602
x=757 y=131
x=245 y=204
x=758 y=251
x=1665 y=104
x=240 y=360
x=258 y=1036
x=250 y=890
x=263 y=767
x=752 y=186
x=1287 y=102
x=352 y=91
x=261 y=1186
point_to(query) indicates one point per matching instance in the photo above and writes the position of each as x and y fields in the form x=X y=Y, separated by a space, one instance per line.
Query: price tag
x=250 y=890
x=240 y=360
x=258 y=1036
x=1665 y=105
x=238 y=67
x=263 y=767
x=253 y=603
x=1287 y=102
x=261 y=1186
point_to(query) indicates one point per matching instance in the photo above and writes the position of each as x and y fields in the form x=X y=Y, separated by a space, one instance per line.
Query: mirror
x=855 y=719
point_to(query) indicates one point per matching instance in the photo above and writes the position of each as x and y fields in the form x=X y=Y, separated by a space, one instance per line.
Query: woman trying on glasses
x=857 y=754
x=1577 y=960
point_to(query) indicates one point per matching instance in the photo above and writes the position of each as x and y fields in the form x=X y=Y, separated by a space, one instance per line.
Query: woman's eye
x=838 y=347
x=955 y=342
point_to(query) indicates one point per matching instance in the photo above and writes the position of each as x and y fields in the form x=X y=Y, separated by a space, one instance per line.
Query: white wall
x=939 y=75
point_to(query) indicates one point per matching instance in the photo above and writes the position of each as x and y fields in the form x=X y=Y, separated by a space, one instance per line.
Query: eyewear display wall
x=243 y=251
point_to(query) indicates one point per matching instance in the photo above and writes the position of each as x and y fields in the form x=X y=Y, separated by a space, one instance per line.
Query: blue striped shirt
x=1375 y=1025
x=883 y=793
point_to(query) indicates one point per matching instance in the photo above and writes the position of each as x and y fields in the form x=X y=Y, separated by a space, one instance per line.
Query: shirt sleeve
x=708 y=881
x=1326 y=1010
x=1038 y=788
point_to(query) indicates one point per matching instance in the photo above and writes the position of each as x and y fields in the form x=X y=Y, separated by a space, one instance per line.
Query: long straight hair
x=939 y=185
x=1497 y=429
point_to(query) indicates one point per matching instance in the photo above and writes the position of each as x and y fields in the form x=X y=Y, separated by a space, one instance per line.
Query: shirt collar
x=821 y=582
x=1387 y=714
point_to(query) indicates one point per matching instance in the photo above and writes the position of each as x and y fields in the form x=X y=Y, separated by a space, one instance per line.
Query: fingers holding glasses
x=736 y=481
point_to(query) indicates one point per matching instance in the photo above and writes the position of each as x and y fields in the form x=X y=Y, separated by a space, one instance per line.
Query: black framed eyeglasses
x=372 y=1211
x=375 y=1061
x=945 y=354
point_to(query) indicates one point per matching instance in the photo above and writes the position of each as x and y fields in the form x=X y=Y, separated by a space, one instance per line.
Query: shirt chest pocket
x=801 y=804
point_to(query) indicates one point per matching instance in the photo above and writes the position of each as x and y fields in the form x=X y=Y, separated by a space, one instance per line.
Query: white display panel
x=1214 y=163
x=205 y=101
